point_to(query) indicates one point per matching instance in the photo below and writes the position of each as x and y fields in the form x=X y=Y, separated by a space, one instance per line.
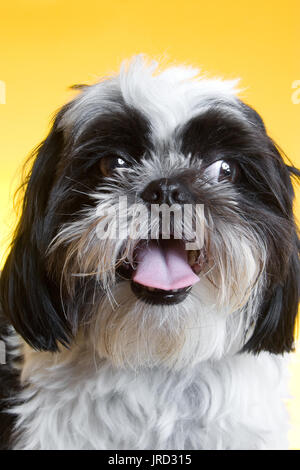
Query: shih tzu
x=151 y=291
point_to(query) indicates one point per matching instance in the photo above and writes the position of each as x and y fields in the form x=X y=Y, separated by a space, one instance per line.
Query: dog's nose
x=167 y=191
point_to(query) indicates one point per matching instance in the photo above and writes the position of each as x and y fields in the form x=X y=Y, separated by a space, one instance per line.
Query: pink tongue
x=164 y=266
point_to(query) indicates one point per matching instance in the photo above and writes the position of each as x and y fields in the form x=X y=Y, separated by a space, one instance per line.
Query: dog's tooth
x=192 y=256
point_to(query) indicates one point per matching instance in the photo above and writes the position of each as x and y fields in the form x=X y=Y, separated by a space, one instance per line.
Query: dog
x=125 y=331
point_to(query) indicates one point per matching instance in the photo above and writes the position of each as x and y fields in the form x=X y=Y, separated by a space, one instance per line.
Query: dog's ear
x=276 y=321
x=29 y=298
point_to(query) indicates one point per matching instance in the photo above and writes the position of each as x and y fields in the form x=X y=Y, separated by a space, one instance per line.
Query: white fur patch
x=78 y=402
x=167 y=98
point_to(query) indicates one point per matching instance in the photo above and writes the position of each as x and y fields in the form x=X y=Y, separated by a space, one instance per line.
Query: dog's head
x=157 y=220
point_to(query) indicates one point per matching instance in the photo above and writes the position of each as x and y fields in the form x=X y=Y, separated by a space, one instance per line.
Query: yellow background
x=47 y=45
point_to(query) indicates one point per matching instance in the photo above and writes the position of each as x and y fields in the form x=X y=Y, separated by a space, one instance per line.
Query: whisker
x=80 y=192
x=79 y=182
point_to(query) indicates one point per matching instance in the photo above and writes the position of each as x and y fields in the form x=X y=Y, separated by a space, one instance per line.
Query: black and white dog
x=119 y=336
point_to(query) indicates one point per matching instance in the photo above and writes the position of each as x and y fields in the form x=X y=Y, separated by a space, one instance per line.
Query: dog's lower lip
x=159 y=296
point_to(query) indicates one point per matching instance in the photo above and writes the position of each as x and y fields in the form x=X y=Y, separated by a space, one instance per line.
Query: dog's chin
x=136 y=330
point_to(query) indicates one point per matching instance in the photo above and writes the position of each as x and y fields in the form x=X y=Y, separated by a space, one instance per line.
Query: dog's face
x=158 y=220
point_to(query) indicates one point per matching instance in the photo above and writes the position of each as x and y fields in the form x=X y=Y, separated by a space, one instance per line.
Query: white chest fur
x=74 y=403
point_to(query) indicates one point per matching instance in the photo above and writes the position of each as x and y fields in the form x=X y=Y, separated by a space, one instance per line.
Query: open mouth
x=164 y=271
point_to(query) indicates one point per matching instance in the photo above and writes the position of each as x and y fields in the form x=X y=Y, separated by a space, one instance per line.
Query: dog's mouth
x=164 y=271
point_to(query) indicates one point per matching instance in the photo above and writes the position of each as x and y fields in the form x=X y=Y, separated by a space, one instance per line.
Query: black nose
x=167 y=191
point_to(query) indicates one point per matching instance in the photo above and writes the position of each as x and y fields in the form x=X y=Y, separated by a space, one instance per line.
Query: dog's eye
x=221 y=170
x=225 y=171
x=111 y=163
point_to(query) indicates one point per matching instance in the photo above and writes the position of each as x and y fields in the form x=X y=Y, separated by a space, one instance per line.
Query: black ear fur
x=275 y=326
x=276 y=321
x=29 y=298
